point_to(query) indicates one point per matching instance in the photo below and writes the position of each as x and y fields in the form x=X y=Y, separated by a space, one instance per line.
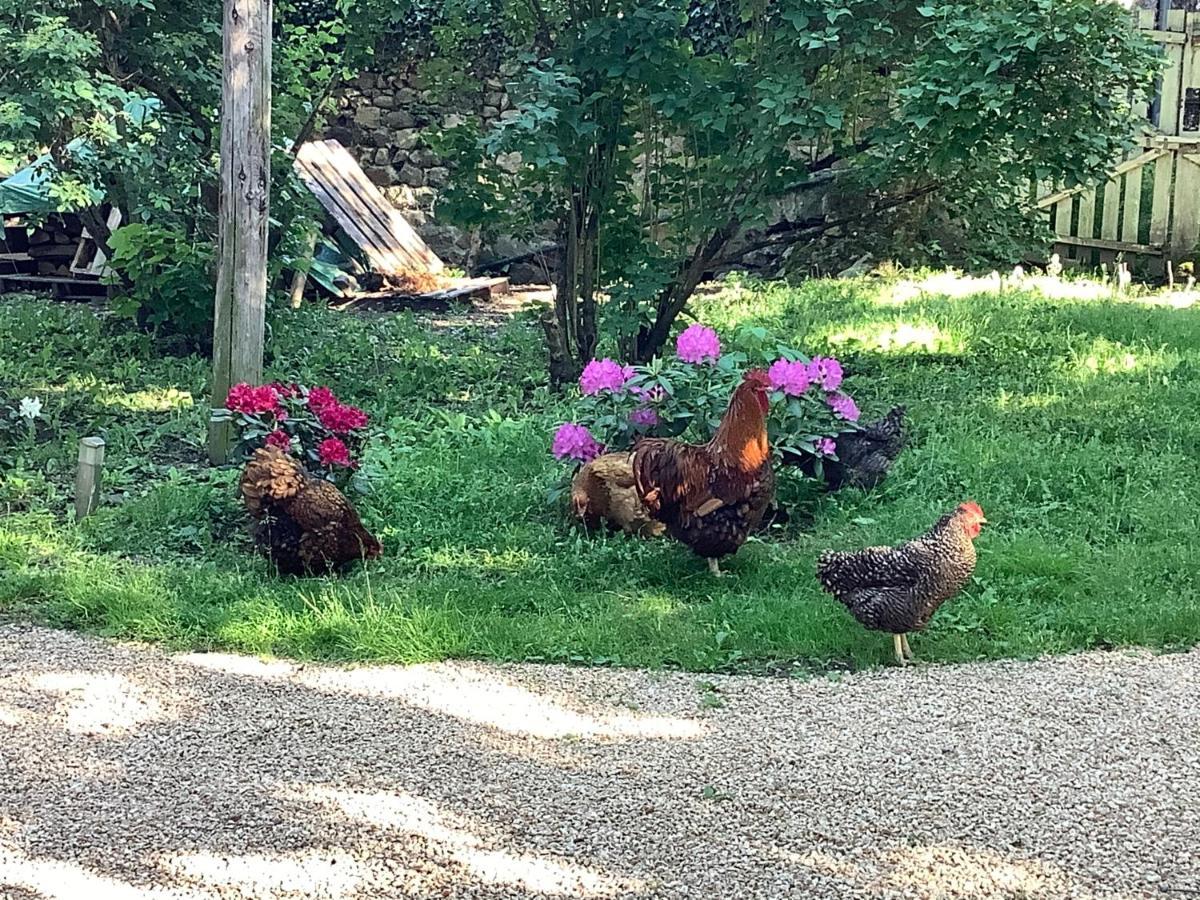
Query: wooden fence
x=1150 y=206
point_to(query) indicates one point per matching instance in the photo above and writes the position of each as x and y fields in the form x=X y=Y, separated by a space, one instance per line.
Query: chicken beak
x=983 y=521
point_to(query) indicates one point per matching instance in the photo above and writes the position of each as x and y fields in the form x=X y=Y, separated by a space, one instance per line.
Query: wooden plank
x=1110 y=219
x=1132 y=218
x=1062 y=215
x=1087 y=214
x=240 y=304
x=1160 y=205
x=1118 y=246
x=391 y=245
x=89 y=476
x=1185 y=225
x=1165 y=37
x=1128 y=166
x=1171 y=97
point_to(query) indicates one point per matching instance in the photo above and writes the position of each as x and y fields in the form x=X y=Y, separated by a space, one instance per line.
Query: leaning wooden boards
x=391 y=245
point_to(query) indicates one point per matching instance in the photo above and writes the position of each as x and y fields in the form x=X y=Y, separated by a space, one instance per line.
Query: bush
x=166 y=278
x=686 y=395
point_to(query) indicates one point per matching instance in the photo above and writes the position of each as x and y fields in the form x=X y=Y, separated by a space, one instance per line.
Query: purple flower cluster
x=825 y=446
x=644 y=417
x=843 y=405
x=827 y=372
x=575 y=441
x=793 y=378
x=604 y=375
x=697 y=344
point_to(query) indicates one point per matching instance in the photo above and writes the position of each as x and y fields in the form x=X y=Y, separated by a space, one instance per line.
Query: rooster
x=603 y=491
x=712 y=496
x=898 y=589
x=304 y=524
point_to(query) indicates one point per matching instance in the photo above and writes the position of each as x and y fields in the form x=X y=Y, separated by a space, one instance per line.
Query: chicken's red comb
x=972 y=507
x=758 y=378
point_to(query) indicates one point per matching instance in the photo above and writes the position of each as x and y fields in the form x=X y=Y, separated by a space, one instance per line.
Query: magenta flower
x=825 y=446
x=604 y=375
x=644 y=417
x=575 y=441
x=793 y=378
x=319 y=398
x=279 y=438
x=697 y=344
x=252 y=400
x=843 y=405
x=341 y=419
x=825 y=371
x=332 y=452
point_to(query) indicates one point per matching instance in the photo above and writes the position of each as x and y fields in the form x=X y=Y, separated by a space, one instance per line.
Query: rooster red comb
x=973 y=508
x=758 y=378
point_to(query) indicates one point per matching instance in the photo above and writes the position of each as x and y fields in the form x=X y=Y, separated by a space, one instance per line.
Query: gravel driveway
x=129 y=773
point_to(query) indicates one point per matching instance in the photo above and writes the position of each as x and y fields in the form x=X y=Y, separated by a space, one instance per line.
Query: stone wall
x=383 y=119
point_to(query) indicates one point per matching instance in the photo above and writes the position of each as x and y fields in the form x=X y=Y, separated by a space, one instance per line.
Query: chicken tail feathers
x=271 y=476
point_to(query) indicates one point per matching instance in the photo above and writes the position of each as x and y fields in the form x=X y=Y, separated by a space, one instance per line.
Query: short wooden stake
x=89 y=477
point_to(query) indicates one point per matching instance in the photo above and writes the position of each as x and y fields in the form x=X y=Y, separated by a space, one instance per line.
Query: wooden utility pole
x=245 y=193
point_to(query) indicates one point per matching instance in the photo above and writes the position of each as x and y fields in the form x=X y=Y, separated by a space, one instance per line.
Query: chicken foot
x=714 y=567
x=908 y=654
x=903 y=651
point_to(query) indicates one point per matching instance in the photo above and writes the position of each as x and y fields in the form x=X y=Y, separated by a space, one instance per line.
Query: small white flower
x=31 y=408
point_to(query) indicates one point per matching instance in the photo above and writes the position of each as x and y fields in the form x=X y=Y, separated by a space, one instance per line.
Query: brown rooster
x=304 y=524
x=712 y=496
x=898 y=589
x=602 y=491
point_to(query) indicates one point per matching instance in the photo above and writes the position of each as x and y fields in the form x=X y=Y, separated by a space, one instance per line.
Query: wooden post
x=240 y=309
x=89 y=476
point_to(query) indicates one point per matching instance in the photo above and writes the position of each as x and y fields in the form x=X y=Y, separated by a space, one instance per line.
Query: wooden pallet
x=391 y=245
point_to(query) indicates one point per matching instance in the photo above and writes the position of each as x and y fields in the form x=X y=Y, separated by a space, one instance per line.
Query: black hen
x=864 y=455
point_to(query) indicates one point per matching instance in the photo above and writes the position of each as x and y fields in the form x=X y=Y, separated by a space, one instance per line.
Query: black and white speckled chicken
x=898 y=589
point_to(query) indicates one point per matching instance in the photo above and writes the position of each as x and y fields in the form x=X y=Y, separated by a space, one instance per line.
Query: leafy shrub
x=168 y=280
x=686 y=395
x=308 y=422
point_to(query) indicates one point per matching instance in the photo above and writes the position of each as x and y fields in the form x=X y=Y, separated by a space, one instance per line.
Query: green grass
x=1072 y=421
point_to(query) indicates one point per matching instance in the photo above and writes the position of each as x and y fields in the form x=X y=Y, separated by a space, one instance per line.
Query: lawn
x=1071 y=419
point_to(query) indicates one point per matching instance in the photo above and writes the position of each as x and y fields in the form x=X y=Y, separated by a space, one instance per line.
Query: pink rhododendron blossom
x=320 y=397
x=604 y=375
x=644 y=417
x=341 y=419
x=827 y=372
x=793 y=378
x=575 y=441
x=279 y=438
x=825 y=446
x=332 y=452
x=843 y=405
x=252 y=400
x=697 y=344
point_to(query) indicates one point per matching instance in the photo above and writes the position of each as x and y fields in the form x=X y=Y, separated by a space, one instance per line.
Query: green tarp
x=28 y=190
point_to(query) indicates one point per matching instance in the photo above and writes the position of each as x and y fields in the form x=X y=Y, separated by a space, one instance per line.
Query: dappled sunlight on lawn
x=461 y=840
x=899 y=337
x=151 y=400
x=478 y=560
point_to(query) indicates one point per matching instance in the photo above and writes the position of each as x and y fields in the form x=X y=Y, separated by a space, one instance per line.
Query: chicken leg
x=898 y=645
x=714 y=567
x=908 y=654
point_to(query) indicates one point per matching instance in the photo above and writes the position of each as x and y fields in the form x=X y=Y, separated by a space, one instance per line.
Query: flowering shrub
x=310 y=423
x=686 y=395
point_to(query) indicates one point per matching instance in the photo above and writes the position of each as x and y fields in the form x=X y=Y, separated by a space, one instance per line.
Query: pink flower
x=279 y=438
x=843 y=405
x=604 y=375
x=319 y=398
x=825 y=371
x=793 y=378
x=575 y=441
x=252 y=400
x=332 y=452
x=697 y=344
x=644 y=417
x=286 y=391
x=341 y=419
x=825 y=446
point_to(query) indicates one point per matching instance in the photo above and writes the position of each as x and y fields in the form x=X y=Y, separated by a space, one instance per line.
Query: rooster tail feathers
x=270 y=476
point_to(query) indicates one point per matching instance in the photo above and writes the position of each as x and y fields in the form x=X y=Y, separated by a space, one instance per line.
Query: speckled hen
x=898 y=589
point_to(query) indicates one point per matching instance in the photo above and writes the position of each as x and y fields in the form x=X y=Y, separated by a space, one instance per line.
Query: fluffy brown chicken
x=304 y=525
x=712 y=496
x=603 y=492
x=898 y=589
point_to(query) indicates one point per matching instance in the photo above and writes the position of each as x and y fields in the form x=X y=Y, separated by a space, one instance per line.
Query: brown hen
x=603 y=492
x=712 y=496
x=898 y=589
x=304 y=525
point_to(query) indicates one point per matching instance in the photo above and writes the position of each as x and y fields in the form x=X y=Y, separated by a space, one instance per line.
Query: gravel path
x=129 y=773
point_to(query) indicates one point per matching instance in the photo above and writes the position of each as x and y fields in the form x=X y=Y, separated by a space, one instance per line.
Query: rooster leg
x=714 y=567
x=908 y=654
x=898 y=644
